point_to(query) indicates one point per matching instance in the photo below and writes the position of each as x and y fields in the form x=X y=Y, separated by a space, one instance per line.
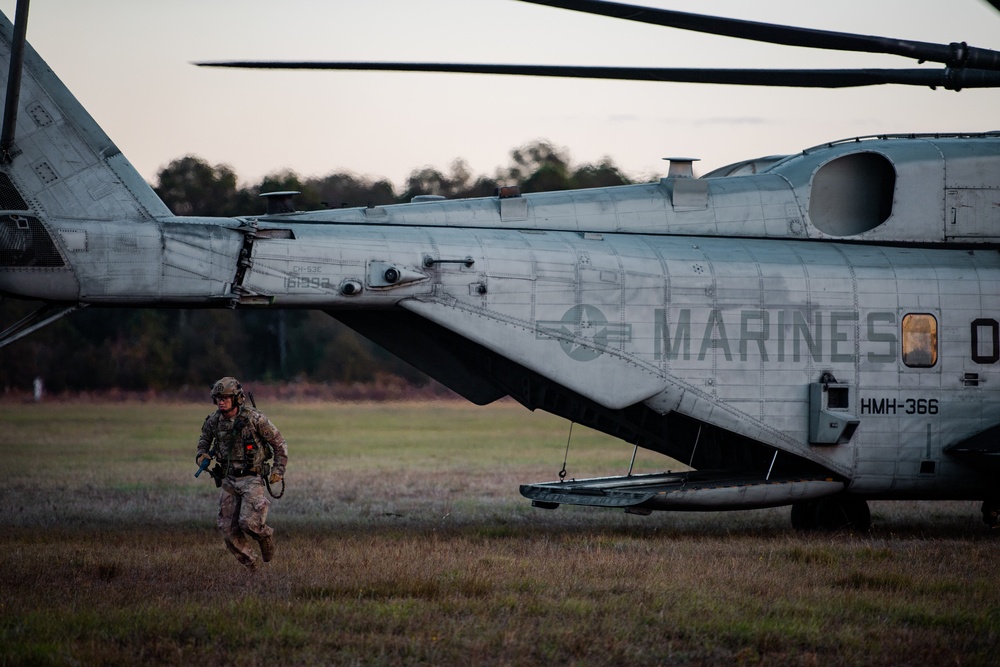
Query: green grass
x=402 y=540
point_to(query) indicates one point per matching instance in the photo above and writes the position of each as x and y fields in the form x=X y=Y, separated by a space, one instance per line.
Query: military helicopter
x=815 y=330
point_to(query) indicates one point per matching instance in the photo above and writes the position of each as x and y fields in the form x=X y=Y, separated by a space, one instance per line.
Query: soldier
x=241 y=439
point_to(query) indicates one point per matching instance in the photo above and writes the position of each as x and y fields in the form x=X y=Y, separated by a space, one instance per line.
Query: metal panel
x=972 y=213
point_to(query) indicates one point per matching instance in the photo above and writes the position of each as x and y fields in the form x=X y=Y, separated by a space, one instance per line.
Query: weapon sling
x=266 y=467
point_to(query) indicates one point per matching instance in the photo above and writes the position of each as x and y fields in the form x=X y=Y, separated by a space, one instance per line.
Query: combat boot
x=267 y=548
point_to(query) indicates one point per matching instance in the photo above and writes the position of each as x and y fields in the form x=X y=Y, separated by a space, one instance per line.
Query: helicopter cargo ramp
x=691 y=491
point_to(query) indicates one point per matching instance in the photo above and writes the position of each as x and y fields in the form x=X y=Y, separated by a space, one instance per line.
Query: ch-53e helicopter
x=813 y=330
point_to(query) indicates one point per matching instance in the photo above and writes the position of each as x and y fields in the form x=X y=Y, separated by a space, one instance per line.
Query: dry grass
x=402 y=540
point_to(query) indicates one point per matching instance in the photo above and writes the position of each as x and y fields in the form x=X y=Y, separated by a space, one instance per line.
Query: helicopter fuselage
x=645 y=294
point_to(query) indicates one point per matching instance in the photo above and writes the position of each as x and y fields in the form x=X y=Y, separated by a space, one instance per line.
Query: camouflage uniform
x=240 y=445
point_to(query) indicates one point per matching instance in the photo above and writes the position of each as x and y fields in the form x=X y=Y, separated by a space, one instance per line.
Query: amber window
x=919 y=340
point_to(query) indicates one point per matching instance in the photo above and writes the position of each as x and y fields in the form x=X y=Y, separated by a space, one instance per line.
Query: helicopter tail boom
x=79 y=224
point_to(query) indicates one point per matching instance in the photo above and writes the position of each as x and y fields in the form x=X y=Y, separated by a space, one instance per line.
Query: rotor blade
x=953 y=55
x=843 y=78
x=14 y=82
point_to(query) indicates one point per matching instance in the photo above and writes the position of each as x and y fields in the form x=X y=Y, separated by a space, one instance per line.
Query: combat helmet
x=228 y=386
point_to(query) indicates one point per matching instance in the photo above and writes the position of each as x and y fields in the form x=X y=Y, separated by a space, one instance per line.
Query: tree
x=191 y=186
x=458 y=184
x=538 y=167
x=602 y=175
x=344 y=189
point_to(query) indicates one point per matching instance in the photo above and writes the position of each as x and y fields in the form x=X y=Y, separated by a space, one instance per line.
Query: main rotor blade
x=953 y=55
x=14 y=82
x=952 y=79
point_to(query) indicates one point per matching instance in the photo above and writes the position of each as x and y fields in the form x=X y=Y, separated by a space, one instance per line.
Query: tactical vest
x=237 y=442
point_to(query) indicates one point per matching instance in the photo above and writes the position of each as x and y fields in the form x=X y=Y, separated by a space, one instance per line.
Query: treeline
x=99 y=349
x=191 y=186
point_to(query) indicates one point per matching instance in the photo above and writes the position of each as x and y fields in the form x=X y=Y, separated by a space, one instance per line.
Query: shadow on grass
x=891 y=521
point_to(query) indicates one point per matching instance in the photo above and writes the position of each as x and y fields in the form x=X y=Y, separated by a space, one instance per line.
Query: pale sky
x=128 y=61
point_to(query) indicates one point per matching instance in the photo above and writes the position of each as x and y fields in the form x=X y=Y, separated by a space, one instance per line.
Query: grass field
x=402 y=540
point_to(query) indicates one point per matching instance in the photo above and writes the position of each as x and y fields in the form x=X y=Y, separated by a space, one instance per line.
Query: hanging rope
x=562 y=473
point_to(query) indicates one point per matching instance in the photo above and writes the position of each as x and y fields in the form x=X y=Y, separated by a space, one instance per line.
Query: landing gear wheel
x=843 y=514
x=991 y=513
x=804 y=515
x=860 y=515
x=830 y=514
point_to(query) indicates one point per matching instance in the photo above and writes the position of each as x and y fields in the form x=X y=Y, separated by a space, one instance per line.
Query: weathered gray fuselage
x=724 y=304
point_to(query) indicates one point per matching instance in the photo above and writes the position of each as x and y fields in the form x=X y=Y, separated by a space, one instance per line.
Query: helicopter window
x=919 y=340
x=852 y=194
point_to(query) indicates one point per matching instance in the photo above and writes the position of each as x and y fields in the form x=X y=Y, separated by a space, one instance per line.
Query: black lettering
x=891 y=406
x=985 y=331
x=837 y=336
x=888 y=337
x=708 y=341
x=800 y=331
x=662 y=346
x=747 y=335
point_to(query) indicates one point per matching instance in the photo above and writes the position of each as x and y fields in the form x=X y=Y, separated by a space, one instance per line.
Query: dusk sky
x=129 y=63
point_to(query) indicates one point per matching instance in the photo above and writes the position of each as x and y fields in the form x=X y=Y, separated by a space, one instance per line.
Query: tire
x=843 y=513
x=804 y=515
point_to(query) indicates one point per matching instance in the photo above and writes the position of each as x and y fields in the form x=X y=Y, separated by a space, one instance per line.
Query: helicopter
x=813 y=330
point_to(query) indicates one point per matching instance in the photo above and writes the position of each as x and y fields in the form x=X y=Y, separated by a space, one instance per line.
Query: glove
x=201 y=457
x=274 y=478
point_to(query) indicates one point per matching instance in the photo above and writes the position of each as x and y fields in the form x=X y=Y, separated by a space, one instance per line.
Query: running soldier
x=241 y=440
